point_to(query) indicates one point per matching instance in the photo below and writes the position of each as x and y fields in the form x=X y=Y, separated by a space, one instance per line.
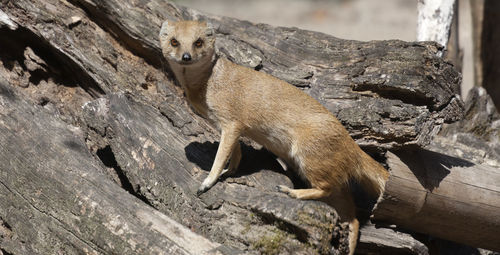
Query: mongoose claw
x=283 y=189
x=228 y=172
x=225 y=172
x=205 y=185
x=201 y=190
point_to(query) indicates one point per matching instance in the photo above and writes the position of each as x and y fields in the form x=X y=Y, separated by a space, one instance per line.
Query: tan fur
x=285 y=120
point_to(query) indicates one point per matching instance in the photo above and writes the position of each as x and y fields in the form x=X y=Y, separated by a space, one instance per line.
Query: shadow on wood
x=252 y=161
x=429 y=167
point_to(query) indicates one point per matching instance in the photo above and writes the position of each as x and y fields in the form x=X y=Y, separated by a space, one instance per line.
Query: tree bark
x=388 y=241
x=475 y=137
x=442 y=196
x=435 y=19
x=56 y=199
x=343 y=75
x=95 y=66
x=438 y=21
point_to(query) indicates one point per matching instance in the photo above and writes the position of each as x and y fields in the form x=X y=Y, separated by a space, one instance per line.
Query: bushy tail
x=373 y=176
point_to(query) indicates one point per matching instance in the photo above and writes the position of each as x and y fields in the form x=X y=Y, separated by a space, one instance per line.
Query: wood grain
x=442 y=196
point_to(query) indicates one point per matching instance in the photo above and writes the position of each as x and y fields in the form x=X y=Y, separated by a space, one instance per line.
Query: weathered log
x=56 y=199
x=393 y=242
x=165 y=168
x=104 y=56
x=475 y=137
x=406 y=103
x=442 y=196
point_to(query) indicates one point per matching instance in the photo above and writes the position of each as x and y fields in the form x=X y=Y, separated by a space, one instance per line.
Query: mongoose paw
x=205 y=185
x=283 y=189
x=201 y=190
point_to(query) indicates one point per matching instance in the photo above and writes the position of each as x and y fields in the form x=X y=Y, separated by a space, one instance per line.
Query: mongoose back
x=288 y=122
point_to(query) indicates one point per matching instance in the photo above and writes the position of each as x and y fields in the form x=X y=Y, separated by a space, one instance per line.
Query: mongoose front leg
x=234 y=161
x=229 y=138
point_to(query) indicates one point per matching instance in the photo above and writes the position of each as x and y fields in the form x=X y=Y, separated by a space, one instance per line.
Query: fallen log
x=475 y=137
x=381 y=101
x=56 y=199
x=442 y=196
x=381 y=240
x=96 y=65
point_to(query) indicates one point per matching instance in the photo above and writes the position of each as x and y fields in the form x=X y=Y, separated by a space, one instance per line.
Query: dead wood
x=443 y=196
x=95 y=67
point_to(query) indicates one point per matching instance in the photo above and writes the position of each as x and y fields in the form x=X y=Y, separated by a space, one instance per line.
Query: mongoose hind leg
x=305 y=194
x=343 y=202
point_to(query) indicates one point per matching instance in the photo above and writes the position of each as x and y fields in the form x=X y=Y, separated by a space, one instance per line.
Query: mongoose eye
x=198 y=43
x=174 y=42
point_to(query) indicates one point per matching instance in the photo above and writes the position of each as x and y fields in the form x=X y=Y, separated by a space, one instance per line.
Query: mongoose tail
x=374 y=176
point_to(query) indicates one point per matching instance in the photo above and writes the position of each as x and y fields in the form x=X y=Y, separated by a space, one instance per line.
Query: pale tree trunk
x=438 y=21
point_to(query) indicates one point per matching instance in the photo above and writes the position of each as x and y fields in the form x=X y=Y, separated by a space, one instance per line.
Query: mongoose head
x=187 y=42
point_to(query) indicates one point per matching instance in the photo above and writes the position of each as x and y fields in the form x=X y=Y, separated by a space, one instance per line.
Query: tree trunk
x=486 y=32
x=85 y=101
x=438 y=21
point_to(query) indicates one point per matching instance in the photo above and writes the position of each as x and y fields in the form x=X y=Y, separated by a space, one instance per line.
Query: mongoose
x=285 y=120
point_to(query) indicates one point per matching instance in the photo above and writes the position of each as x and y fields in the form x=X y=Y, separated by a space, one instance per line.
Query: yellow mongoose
x=288 y=122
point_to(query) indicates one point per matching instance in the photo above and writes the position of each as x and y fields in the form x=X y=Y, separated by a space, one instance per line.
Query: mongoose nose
x=186 y=57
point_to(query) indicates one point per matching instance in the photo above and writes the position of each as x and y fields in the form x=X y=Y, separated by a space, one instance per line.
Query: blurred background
x=363 y=20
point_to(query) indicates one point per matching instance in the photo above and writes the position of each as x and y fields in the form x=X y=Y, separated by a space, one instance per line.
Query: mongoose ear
x=163 y=29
